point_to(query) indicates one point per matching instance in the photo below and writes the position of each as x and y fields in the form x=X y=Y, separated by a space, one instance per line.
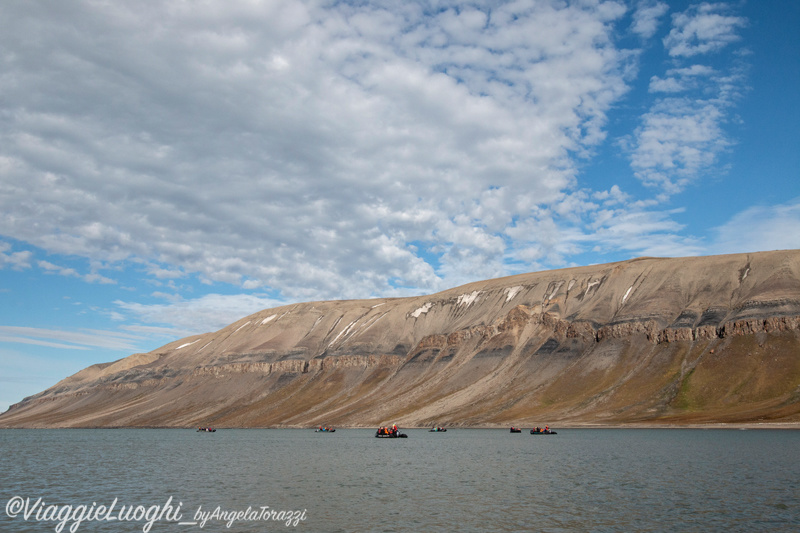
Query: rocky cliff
x=683 y=341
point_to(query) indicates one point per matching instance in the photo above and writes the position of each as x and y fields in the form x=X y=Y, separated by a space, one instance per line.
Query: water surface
x=465 y=480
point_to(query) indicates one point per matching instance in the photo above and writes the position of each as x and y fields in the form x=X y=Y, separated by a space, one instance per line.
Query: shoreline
x=573 y=425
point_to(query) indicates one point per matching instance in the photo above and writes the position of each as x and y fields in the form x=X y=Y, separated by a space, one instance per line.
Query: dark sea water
x=461 y=480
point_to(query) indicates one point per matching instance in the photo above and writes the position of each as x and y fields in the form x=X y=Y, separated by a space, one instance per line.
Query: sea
x=482 y=480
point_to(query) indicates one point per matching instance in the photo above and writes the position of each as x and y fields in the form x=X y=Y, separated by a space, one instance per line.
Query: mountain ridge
x=694 y=340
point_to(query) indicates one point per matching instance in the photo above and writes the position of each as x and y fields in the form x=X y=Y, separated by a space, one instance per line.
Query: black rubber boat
x=325 y=430
x=516 y=430
x=437 y=430
x=206 y=430
x=543 y=432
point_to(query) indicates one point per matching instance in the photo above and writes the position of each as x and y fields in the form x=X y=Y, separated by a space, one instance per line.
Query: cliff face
x=691 y=340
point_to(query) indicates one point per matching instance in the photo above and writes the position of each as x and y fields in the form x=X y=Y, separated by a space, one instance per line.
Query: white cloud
x=14 y=260
x=702 y=29
x=666 y=85
x=678 y=139
x=55 y=269
x=71 y=340
x=92 y=277
x=613 y=196
x=646 y=18
x=618 y=225
x=680 y=79
x=164 y=273
x=187 y=317
x=683 y=133
x=298 y=146
x=154 y=331
x=643 y=232
x=692 y=71
x=760 y=228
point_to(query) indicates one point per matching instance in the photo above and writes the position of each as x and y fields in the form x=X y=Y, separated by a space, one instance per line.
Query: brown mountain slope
x=689 y=340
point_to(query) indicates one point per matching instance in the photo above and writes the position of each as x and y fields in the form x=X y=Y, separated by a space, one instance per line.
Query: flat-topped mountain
x=673 y=341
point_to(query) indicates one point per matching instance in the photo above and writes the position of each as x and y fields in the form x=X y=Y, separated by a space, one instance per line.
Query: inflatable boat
x=389 y=433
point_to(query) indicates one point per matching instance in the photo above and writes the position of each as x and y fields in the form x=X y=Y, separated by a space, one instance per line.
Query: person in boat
x=547 y=429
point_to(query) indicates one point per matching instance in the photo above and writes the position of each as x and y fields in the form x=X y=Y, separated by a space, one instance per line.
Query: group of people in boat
x=208 y=429
x=437 y=429
x=326 y=429
x=389 y=431
x=535 y=431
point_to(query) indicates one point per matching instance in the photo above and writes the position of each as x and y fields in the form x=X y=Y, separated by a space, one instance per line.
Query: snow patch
x=187 y=344
x=511 y=292
x=746 y=272
x=345 y=330
x=571 y=284
x=269 y=318
x=317 y=321
x=366 y=327
x=240 y=327
x=555 y=290
x=424 y=309
x=627 y=293
x=468 y=299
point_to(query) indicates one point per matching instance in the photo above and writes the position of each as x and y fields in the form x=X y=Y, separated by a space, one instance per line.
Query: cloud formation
x=207 y=313
x=68 y=340
x=682 y=134
x=762 y=227
x=647 y=16
x=15 y=260
x=310 y=150
x=321 y=149
x=701 y=29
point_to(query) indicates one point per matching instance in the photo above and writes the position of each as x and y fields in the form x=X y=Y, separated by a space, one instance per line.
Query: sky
x=167 y=168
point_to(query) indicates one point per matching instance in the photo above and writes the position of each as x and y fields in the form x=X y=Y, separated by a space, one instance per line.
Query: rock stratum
x=647 y=341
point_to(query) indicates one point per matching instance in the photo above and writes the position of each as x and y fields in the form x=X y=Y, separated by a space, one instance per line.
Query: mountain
x=647 y=341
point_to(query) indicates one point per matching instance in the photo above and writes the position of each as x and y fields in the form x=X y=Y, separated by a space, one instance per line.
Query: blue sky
x=166 y=171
